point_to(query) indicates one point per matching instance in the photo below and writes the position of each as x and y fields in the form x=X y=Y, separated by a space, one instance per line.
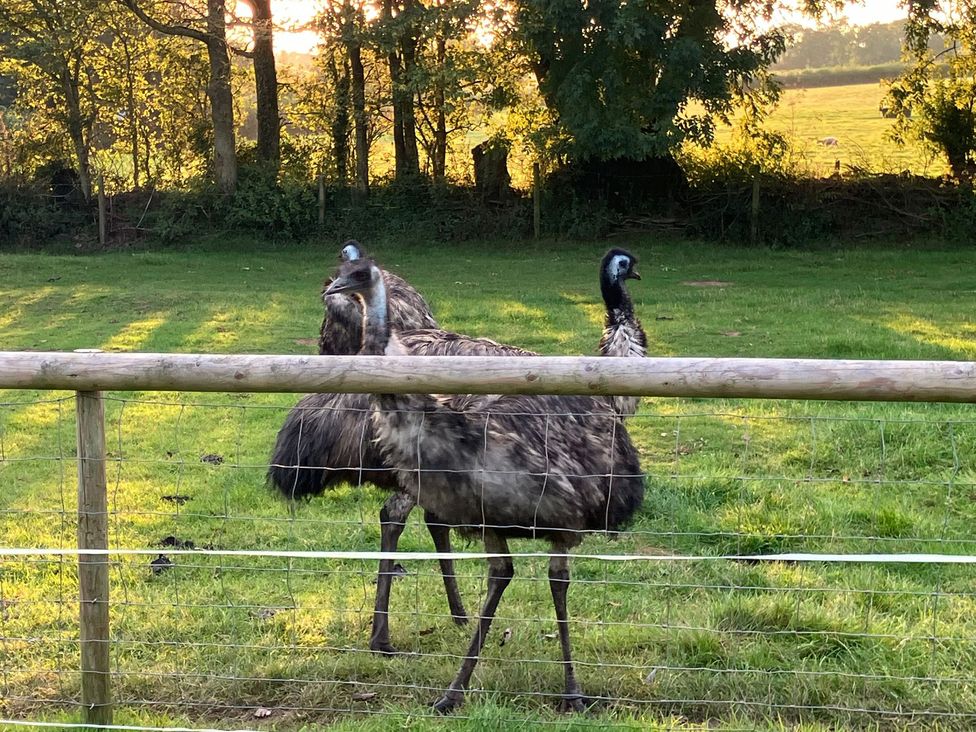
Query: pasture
x=850 y=114
x=708 y=644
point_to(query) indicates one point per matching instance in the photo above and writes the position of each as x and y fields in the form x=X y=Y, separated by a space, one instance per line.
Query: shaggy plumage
x=623 y=334
x=328 y=439
x=341 y=333
x=502 y=466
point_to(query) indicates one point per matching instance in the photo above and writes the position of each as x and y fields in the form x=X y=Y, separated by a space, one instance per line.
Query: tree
x=397 y=37
x=451 y=79
x=266 y=84
x=343 y=26
x=935 y=99
x=214 y=37
x=53 y=38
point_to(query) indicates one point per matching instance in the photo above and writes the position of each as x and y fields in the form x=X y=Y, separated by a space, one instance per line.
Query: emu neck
x=616 y=299
x=376 y=320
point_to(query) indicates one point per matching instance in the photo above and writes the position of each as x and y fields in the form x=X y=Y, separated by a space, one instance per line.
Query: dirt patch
x=307 y=341
x=707 y=283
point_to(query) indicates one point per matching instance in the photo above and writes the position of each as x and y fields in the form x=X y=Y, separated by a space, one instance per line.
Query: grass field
x=708 y=644
x=850 y=114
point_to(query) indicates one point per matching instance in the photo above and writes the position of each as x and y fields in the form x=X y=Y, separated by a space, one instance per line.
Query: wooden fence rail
x=916 y=381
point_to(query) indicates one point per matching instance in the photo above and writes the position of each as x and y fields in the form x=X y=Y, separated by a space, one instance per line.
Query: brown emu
x=328 y=439
x=498 y=467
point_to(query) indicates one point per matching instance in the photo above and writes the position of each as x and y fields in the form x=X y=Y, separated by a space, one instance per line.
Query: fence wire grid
x=703 y=643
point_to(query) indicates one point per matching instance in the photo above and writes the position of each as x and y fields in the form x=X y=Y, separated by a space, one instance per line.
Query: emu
x=328 y=439
x=499 y=467
x=623 y=334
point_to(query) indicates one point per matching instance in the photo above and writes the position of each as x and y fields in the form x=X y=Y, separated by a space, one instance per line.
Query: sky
x=289 y=12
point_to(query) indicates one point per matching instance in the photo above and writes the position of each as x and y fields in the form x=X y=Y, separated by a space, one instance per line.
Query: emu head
x=351 y=251
x=356 y=276
x=618 y=265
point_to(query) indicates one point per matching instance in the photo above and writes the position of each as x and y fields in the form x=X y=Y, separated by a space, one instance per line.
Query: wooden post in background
x=102 y=217
x=93 y=569
x=536 y=200
x=754 y=219
x=321 y=199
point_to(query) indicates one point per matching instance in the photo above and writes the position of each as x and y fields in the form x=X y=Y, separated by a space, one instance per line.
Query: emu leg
x=393 y=518
x=500 y=573
x=573 y=699
x=441 y=534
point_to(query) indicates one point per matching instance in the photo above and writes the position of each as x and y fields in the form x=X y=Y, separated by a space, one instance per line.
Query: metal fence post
x=93 y=569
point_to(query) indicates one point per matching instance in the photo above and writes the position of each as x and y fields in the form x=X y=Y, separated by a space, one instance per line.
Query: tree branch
x=170 y=30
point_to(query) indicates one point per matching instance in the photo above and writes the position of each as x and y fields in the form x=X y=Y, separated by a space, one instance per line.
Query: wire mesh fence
x=674 y=620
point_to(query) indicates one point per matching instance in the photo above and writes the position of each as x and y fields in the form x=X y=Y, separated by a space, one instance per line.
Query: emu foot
x=451 y=700
x=383 y=647
x=460 y=617
x=573 y=703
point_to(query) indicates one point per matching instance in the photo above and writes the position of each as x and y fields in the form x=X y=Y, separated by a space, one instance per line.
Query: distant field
x=850 y=114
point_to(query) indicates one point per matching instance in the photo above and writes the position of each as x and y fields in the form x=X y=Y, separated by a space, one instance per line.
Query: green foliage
x=958 y=222
x=750 y=152
x=619 y=76
x=837 y=76
x=29 y=216
x=278 y=210
x=841 y=45
x=940 y=112
x=946 y=120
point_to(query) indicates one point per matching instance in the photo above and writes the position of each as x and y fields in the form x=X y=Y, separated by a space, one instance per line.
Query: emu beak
x=634 y=275
x=337 y=286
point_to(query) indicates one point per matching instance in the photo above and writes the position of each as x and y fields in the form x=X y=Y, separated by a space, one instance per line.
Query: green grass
x=735 y=645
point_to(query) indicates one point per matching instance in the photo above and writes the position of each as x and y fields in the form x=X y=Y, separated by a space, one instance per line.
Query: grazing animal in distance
x=498 y=467
x=623 y=334
x=327 y=439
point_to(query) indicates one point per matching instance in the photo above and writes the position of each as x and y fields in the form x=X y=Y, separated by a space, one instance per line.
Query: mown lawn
x=673 y=645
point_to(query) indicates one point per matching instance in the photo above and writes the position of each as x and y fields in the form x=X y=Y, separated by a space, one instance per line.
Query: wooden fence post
x=93 y=569
x=102 y=217
x=536 y=200
x=321 y=199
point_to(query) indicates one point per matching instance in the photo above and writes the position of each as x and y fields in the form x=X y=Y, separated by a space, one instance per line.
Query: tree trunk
x=408 y=55
x=130 y=100
x=266 y=87
x=76 y=129
x=439 y=162
x=401 y=59
x=340 y=125
x=399 y=152
x=221 y=99
x=491 y=176
x=359 y=117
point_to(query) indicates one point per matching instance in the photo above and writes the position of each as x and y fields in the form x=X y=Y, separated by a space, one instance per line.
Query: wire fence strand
x=788 y=564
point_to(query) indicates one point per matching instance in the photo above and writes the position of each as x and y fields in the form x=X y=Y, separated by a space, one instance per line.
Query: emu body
x=328 y=439
x=499 y=467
